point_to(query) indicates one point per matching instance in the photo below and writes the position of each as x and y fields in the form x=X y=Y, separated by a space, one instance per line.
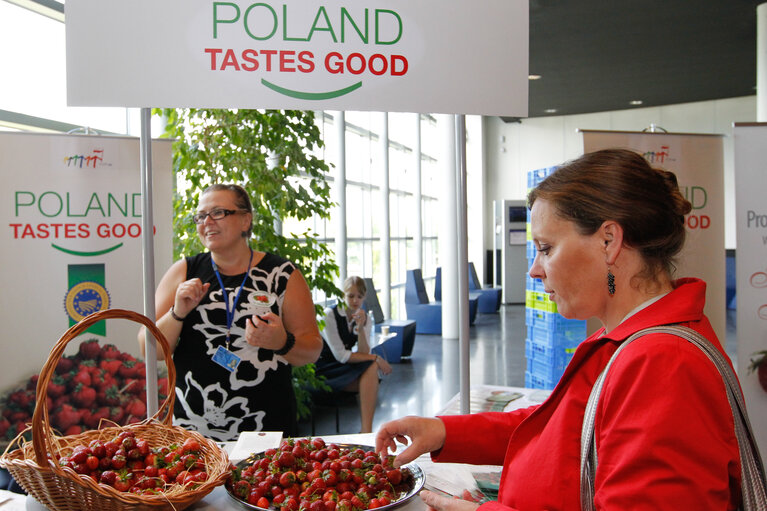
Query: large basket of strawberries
x=150 y=465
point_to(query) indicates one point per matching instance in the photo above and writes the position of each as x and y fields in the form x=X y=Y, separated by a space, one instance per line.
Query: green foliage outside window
x=269 y=153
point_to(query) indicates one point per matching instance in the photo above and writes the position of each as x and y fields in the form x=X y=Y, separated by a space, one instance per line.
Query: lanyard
x=230 y=313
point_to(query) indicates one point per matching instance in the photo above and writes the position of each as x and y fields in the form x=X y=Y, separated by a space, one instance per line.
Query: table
x=451 y=477
x=487 y=398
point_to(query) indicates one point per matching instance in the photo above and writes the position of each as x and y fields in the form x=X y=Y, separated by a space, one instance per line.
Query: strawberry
x=109 y=352
x=137 y=388
x=127 y=357
x=108 y=396
x=32 y=383
x=93 y=420
x=65 y=417
x=136 y=408
x=162 y=386
x=111 y=366
x=116 y=414
x=127 y=370
x=132 y=419
x=22 y=398
x=65 y=365
x=5 y=425
x=84 y=396
x=56 y=387
x=73 y=430
x=89 y=350
x=82 y=376
x=139 y=370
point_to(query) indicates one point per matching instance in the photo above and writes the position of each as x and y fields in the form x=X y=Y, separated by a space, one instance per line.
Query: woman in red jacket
x=607 y=227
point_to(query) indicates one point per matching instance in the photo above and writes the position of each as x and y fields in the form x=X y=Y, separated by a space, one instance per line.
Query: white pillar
x=448 y=231
x=761 y=63
x=418 y=196
x=385 y=228
x=340 y=195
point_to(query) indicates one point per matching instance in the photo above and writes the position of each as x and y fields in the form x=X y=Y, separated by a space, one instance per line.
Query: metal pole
x=147 y=237
x=385 y=219
x=341 y=239
x=463 y=262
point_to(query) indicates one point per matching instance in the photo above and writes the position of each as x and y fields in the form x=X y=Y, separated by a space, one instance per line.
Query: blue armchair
x=427 y=315
x=401 y=345
x=474 y=296
x=489 y=298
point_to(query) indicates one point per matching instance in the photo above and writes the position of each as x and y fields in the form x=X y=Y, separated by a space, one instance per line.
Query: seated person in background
x=344 y=369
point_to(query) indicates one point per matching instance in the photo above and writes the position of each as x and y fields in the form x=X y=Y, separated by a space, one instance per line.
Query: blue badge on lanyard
x=223 y=356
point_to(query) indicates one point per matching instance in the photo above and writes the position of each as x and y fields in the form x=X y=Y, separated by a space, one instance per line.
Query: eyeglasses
x=214 y=214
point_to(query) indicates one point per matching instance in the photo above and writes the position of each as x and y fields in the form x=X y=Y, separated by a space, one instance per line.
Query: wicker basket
x=35 y=467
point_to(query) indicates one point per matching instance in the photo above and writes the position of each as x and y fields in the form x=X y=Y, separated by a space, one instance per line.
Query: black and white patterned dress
x=258 y=395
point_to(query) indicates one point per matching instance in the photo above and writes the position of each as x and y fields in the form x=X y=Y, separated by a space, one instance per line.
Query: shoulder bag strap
x=754 y=495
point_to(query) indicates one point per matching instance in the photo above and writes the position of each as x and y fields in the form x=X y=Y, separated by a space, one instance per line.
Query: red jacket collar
x=683 y=304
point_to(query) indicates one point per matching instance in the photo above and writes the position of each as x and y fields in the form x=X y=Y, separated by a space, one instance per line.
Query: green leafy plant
x=270 y=154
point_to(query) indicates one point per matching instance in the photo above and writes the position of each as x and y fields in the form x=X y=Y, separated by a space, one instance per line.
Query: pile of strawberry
x=308 y=475
x=99 y=382
x=130 y=464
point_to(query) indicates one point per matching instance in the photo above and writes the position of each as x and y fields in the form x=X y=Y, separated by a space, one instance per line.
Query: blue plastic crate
x=552 y=320
x=569 y=336
x=530 y=249
x=559 y=356
x=533 y=381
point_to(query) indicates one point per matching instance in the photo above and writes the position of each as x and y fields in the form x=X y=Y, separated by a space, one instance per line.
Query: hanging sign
x=698 y=162
x=751 y=267
x=72 y=239
x=437 y=56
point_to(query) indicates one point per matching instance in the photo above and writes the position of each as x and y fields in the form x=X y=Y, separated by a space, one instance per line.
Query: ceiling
x=599 y=55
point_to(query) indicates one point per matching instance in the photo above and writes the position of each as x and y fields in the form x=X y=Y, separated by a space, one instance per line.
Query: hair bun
x=679 y=204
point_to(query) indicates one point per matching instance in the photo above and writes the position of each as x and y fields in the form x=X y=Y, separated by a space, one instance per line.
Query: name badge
x=226 y=359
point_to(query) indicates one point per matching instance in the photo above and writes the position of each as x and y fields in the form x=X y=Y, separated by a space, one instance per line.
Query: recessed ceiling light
x=635 y=102
x=550 y=110
x=533 y=77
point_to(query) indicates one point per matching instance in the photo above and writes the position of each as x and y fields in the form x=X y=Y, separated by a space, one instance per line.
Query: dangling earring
x=610 y=282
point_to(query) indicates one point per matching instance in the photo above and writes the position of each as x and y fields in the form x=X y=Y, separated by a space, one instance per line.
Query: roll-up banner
x=698 y=162
x=431 y=56
x=71 y=240
x=750 y=139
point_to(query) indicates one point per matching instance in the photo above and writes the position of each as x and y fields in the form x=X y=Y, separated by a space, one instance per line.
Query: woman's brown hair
x=620 y=185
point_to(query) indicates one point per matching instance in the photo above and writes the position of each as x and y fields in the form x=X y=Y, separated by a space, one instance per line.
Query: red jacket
x=664 y=430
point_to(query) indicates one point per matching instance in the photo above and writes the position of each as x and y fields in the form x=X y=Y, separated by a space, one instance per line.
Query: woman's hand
x=188 y=296
x=360 y=317
x=427 y=434
x=383 y=365
x=442 y=503
x=265 y=331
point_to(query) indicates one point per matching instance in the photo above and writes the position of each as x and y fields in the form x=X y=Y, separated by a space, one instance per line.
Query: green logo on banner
x=87 y=294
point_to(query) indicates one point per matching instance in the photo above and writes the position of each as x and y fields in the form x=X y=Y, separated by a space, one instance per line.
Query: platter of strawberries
x=306 y=474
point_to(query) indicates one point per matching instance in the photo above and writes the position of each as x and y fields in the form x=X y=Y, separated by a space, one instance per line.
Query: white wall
x=514 y=148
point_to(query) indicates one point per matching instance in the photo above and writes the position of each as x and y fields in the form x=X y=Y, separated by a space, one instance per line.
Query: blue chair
x=474 y=296
x=427 y=315
x=401 y=345
x=489 y=298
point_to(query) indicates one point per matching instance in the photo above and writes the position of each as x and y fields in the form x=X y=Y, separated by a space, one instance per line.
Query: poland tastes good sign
x=437 y=56
x=71 y=218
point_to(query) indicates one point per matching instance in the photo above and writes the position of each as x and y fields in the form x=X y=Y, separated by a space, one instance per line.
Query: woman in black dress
x=237 y=320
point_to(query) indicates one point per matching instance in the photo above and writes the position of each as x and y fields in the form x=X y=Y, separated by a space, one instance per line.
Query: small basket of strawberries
x=149 y=465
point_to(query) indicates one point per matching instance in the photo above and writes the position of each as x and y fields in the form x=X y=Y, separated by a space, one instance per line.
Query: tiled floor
x=424 y=383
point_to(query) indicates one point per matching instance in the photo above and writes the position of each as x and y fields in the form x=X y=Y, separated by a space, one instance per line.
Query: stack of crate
x=551 y=338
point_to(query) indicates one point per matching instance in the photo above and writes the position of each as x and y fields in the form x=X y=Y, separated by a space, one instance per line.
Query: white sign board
x=751 y=266
x=437 y=56
x=71 y=240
